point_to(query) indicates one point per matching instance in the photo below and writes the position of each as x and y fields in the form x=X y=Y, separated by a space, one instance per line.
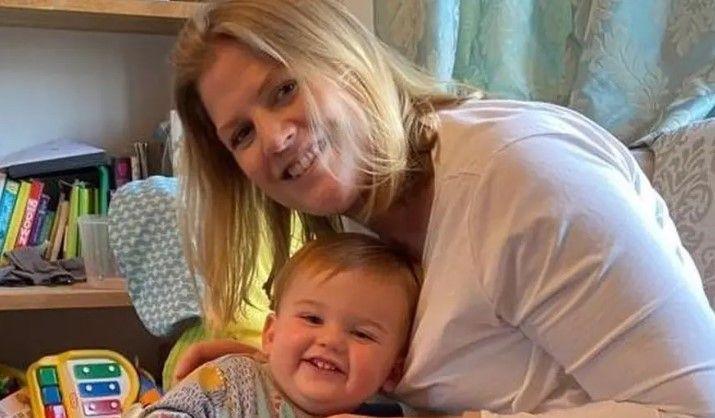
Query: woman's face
x=260 y=115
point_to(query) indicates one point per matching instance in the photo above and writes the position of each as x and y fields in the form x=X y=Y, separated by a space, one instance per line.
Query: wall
x=105 y=88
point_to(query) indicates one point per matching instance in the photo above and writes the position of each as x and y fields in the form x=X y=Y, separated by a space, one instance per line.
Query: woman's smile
x=304 y=162
x=276 y=146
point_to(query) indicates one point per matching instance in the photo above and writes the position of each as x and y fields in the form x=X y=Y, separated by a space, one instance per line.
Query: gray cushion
x=684 y=174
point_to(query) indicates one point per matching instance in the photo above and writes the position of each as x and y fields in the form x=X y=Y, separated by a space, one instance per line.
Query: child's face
x=334 y=343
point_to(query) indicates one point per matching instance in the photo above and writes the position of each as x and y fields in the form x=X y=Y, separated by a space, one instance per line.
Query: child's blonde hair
x=226 y=219
x=324 y=257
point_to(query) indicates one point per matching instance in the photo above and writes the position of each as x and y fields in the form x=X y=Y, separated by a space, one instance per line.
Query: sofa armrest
x=684 y=175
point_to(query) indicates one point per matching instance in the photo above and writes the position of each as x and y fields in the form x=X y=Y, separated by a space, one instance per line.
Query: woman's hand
x=471 y=415
x=199 y=353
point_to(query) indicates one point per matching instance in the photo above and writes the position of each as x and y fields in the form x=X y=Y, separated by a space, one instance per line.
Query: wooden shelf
x=111 y=293
x=141 y=16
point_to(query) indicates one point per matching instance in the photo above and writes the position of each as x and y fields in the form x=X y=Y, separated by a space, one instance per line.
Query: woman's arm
x=599 y=281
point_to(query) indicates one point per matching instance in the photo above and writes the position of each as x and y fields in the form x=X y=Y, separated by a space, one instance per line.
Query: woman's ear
x=268 y=333
x=395 y=375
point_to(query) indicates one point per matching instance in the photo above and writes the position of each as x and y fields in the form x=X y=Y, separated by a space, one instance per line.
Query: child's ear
x=395 y=375
x=268 y=333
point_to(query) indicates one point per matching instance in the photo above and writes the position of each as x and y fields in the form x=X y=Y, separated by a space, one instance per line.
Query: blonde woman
x=555 y=282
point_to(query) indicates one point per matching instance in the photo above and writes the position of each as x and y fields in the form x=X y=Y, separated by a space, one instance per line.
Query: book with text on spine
x=7 y=204
x=17 y=216
x=28 y=219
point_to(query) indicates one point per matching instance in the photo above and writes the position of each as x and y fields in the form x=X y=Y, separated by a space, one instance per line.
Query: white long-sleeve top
x=555 y=281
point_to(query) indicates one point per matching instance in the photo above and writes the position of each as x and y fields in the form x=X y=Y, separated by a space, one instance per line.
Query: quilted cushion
x=684 y=174
x=144 y=235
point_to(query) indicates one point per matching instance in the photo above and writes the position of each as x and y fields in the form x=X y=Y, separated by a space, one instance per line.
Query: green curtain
x=637 y=67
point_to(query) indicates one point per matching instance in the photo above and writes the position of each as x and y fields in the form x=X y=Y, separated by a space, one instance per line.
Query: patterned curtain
x=637 y=67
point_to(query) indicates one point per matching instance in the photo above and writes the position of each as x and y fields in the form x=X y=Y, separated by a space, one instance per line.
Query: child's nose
x=332 y=338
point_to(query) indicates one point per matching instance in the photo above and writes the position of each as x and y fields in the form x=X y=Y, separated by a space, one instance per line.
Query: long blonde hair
x=226 y=219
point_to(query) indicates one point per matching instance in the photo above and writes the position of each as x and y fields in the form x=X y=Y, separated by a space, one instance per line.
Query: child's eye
x=312 y=319
x=361 y=335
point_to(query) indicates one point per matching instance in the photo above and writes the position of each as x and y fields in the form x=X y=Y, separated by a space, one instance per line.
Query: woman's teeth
x=304 y=162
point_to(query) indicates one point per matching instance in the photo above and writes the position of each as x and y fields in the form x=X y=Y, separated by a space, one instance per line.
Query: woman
x=555 y=282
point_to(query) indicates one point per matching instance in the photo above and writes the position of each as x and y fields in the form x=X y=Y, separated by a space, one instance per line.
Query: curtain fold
x=637 y=67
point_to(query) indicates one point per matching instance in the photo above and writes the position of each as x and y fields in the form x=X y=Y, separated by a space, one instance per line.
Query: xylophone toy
x=82 y=383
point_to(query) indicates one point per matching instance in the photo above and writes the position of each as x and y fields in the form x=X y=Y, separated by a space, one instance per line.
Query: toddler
x=343 y=308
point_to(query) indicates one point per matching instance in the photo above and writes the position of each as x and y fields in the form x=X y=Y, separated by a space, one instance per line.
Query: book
x=59 y=228
x=17 y=215
x=52 y=156
x=3 y=179
x=122 y=168
x=69 y=248
x=7 y=204
x=46 y=228
x=28 y=218
x=83 y=207
x=136 y=169
x=55 y=224
x=102 y=207
x=39 y=219
x=142 y=152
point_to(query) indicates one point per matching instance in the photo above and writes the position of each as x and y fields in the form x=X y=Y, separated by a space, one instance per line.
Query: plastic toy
x=82 y=383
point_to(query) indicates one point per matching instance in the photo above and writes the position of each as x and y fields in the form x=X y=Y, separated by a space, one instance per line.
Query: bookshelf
x=39 y=320
x=111 y=293
x=140 y=16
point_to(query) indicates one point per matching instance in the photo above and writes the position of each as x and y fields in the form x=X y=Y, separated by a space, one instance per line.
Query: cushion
x=684 y=174
x=145 y=238
x=144 y=235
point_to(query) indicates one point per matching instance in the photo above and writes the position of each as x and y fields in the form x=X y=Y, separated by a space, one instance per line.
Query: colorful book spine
x=84 y=207
x=39 y=219
x=28 y=218
x=17 y=216
x=69 y=248
x=7 y=204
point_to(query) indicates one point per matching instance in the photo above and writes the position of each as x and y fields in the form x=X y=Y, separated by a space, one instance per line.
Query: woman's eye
x=312 y=319
x=286 y=90
x=239 y=137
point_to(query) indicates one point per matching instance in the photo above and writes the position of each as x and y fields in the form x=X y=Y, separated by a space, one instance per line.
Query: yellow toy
x=82 y=383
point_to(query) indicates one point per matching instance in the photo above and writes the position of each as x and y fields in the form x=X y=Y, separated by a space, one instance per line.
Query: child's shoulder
x=228 y=386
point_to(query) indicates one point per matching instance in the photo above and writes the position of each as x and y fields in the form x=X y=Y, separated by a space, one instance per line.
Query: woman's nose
x=275 y=133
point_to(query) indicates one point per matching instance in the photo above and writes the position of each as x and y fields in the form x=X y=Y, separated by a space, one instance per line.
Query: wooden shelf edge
x=111 y=293
x=142 y=16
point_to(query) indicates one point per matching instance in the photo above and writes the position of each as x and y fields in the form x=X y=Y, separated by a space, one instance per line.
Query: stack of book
x=44 y=190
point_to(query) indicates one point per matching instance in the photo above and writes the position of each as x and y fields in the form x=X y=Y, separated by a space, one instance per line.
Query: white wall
x=105 y=88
